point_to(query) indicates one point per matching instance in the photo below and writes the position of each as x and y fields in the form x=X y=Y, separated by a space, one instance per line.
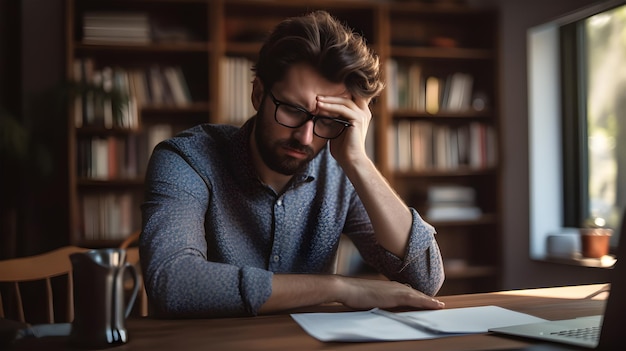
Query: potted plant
x=595 y=237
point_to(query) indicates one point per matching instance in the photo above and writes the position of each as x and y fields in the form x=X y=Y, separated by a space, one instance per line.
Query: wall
x=45 y=221
x=519 y=270
x=32 y=67
x=9 y=103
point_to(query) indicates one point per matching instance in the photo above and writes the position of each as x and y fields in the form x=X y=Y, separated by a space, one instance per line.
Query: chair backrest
x=133 y=238
x=132 y=257
x=41 y=267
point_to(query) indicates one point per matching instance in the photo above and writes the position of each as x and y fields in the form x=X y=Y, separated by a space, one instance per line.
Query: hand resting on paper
x=299 y=290
x=365 y=293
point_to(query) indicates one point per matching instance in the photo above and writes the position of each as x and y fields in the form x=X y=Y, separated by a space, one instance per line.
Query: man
x=242 y=221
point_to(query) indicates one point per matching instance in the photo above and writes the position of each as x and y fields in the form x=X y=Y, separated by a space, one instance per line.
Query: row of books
x=236 y=81
x=452 y=202
x=408 y=88
x=113 y=96
x=422 y=145
x=157 y=85
x=118 y=157
x=132 y=28
x=103 y=96
x=119 y=27
x=108 y=216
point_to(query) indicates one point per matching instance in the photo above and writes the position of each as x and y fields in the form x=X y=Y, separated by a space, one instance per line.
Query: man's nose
x=304 y=134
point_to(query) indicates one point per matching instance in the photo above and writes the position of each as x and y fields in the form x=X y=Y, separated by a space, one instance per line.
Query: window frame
x=557 y=129
x=574 y=124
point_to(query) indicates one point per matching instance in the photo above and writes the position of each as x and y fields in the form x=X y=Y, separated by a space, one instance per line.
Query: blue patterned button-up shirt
x=214 y=234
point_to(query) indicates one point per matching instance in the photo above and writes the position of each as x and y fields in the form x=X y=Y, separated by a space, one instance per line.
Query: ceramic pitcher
x=99 y=304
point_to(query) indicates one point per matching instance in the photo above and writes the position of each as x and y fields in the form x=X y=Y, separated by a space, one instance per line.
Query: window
x=577 y=121
x=593 y=52
x=606 y=113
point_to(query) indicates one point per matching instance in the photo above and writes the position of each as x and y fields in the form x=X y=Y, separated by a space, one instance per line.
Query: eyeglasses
x=292 y=116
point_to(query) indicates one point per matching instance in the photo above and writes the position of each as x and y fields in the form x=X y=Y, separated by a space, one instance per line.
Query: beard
x=270 y=148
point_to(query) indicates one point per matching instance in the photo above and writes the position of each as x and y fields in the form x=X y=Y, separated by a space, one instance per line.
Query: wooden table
x=281 y=332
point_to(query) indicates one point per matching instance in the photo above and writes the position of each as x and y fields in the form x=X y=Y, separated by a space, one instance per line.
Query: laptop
x=580 y=332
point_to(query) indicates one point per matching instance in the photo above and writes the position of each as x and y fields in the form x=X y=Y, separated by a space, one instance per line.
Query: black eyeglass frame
x=310 y=117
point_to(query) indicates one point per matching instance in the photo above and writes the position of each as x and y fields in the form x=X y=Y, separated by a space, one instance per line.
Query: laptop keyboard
x=591 y=333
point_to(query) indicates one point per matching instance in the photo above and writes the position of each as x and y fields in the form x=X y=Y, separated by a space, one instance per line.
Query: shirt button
x=279 y=202
x=276 y=258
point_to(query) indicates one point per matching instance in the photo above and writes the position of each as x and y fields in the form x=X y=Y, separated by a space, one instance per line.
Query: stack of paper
x=378 y=325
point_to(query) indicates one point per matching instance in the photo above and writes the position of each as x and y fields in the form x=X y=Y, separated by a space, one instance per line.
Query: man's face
x=288 y=150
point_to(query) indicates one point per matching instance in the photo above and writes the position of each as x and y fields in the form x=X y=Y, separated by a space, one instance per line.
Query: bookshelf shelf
x=179 y=48
x=195 y=107
x=446 y=173
x=486 y=218
x=204 y=38
x=95 y=131
x=442 y=115
x=442 y=53
x=110 y=183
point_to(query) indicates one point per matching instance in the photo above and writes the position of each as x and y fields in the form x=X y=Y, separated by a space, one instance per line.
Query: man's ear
x=257 y=93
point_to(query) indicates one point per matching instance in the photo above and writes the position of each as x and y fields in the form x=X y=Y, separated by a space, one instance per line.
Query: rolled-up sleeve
x=422 y=265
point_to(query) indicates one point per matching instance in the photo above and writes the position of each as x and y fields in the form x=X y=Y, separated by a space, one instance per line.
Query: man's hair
x=333 y=49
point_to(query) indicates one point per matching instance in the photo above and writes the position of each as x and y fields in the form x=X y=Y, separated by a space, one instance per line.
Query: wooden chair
x=41 y=267
x=132 y=257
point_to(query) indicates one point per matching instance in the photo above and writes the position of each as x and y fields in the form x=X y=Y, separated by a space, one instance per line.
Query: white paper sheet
x=368 y=326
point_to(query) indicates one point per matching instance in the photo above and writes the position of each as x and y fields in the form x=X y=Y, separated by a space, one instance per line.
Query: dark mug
x=99 y=304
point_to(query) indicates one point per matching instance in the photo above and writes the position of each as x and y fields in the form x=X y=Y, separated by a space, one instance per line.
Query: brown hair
x=329 y=46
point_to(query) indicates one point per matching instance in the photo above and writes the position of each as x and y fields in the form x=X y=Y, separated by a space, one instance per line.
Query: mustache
x=295 y=145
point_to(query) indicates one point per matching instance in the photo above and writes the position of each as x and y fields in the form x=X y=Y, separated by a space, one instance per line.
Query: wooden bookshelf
x=441 y=41
x=207 y=39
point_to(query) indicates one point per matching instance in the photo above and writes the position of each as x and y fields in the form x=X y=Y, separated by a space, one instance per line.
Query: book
x=452 y=202
x=126 y=115
x=157 y=133
x=442 y=145
x=451 y=194
x=77 y=76
x=113 y=159
x=178 y=94
x=133 y=106
x=456 y=92
x=131 y=151
x=391 y=73
x=418 y=150
x=432 y=95
x=237 y=81
x=101 y=27
x=478 y=145
x=416 y=94
x=87 y=73
x=107 y=216
x=466 y=96
x=404 y=144
x=142 y=89
x=155 y=84
x=183 y=83
x=453 y=213
x=100 y=164
x=402 y=81
x=107 y=106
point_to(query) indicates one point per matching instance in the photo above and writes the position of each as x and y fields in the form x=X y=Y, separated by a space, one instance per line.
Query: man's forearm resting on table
x=301 y=290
